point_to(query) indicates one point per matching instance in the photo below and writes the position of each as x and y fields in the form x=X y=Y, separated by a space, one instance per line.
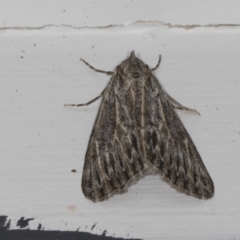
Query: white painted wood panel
x=41 y=142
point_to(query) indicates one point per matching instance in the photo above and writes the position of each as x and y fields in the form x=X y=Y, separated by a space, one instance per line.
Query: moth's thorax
x=133 y=69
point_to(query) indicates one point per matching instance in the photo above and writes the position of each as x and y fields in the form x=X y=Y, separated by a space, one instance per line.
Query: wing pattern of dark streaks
x=113 y=159
x=169 y=148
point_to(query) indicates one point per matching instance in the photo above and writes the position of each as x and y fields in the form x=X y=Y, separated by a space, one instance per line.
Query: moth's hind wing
x=169 y=148
x=112 y=160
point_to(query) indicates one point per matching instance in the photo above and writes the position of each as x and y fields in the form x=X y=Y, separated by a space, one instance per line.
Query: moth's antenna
x=159 y=60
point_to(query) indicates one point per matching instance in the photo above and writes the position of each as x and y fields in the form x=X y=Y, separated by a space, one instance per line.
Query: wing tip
x=129 y=183
x=180 y=189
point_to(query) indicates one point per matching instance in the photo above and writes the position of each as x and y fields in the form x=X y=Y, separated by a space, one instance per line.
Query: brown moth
x=136 y=133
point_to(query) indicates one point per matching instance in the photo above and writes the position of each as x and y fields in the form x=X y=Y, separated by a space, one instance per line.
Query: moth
x=136 y=133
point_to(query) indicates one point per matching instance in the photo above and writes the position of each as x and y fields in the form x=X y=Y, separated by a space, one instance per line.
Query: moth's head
x=133 y=67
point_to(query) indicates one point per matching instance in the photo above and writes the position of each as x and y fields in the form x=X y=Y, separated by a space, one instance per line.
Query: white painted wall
x=41 y=141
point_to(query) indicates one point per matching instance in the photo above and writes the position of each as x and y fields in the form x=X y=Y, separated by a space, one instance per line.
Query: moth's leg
x=159 y=60
x=83 y=104
x=178 y=106
x=97 y=70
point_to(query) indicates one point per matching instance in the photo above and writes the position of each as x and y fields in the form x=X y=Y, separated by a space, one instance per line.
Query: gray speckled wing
x=113 y=161
x=169 y=148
